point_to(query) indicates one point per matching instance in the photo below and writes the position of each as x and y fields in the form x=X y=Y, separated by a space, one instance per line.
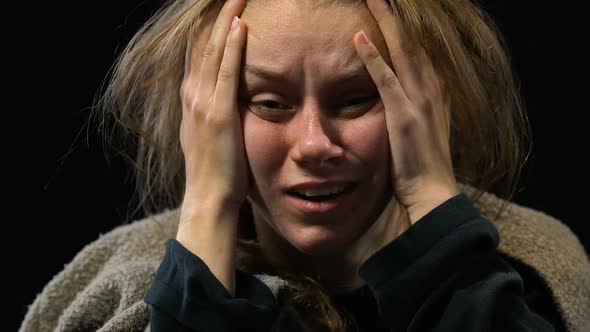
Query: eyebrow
x=355 y=74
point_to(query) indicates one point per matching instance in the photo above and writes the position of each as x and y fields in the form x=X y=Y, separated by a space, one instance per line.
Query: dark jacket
x=524 y=269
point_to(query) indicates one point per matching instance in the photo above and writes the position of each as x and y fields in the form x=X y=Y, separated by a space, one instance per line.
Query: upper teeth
x=321 y=192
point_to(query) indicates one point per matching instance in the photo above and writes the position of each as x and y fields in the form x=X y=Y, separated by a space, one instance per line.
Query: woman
x=364 y=138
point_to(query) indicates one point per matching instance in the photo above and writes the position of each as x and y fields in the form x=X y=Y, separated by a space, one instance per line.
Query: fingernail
x=235 y=23
x=364 y=38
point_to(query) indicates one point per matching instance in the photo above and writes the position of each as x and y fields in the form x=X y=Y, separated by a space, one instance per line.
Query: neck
x=337 y=273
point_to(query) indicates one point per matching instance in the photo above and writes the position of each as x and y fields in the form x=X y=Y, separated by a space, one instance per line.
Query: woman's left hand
x=417 y=113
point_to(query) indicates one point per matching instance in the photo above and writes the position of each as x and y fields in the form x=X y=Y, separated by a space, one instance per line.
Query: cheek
x=264 y=149
x=367 y=138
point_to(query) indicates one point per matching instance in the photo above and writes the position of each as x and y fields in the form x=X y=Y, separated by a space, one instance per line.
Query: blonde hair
x=489 y=130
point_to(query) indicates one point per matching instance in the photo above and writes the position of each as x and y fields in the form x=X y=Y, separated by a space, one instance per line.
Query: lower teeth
x=318 y=198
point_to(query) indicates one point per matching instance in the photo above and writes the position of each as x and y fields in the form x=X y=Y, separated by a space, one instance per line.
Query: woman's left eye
x=358 y=101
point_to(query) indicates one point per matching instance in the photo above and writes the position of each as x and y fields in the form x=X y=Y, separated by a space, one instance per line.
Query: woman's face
x=315 y=124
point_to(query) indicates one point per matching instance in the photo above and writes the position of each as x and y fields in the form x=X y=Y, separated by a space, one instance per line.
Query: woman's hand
x=417 y=115
x=213 y=146
x=211 y=132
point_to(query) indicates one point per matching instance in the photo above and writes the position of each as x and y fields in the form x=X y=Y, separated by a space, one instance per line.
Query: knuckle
x=187 y=97
x=388 y=80
x=209 y=51
x=185 y=91
x=373 y=55
x=407 y=124
x=215 y=120
x=191 y=101
x=226 y=73
x=427 y=109
x=188 y=104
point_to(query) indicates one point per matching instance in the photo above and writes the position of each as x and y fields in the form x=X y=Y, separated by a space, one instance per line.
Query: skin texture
x=309 y=125
x=318 y=129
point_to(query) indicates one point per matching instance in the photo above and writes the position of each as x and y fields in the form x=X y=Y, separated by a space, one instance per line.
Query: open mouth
x=322 y=197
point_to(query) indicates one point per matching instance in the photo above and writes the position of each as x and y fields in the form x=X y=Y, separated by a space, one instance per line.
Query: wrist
x=209 y=230
x=210 y=203
x=428 y=201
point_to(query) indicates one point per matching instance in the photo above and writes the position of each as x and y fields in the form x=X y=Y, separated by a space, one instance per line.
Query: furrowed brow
x=353 y=75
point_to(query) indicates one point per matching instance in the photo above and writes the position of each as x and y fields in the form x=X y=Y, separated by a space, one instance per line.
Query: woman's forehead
x=298 y=17
x=284 y=32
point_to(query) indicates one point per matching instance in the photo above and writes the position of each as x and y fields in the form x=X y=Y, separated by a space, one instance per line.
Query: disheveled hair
x=139 y=112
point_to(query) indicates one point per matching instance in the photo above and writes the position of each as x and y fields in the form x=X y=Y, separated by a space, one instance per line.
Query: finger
x=226 y=91
x=194 y=52
x=390 y=89
x=392 y=31
x=213 y=52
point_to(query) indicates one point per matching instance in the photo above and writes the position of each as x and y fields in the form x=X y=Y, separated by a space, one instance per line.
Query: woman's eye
x=270 y=110
x=355 y=107
x=359 y=101
x=269 y=105
x=275 y=111
x=274 y=105
x=356 y=101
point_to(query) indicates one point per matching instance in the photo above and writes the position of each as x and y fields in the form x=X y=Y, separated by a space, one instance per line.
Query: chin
x=316 y=240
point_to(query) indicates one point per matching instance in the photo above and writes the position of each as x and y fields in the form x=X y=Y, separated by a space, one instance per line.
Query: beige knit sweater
x=103 y=287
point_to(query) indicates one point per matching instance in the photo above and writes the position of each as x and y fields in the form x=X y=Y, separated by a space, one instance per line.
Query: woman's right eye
x=268 y=105
x=270 y=110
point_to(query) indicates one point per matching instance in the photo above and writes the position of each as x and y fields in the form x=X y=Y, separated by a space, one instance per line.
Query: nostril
x=317 y=154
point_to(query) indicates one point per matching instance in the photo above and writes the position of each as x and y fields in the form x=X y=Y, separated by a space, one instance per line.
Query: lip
x=318 y=185
x=318 y=208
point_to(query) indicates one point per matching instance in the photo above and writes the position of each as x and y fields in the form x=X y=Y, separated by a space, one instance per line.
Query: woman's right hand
x=213 y=146
x=210 y=132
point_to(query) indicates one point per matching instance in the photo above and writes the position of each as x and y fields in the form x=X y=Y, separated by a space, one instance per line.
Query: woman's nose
x=315 y=142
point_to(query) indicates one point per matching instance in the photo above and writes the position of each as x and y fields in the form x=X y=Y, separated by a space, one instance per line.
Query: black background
x=63 y=192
